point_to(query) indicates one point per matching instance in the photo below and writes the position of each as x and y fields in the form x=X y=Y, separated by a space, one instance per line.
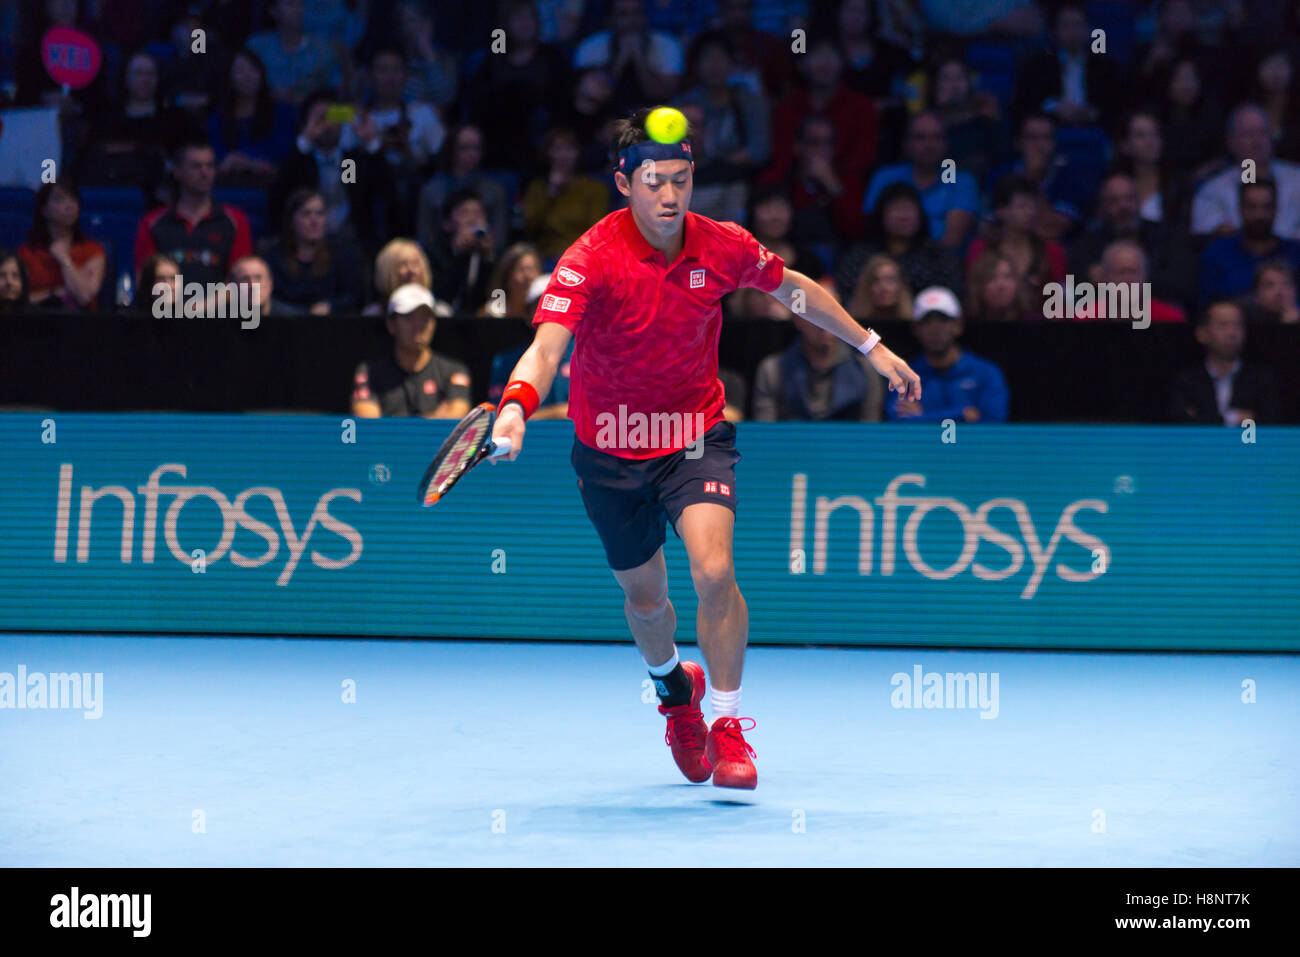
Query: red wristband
x=523 y=393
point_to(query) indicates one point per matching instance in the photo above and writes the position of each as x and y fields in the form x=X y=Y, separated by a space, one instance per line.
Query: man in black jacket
x=1069 y=81
x=1225 y=389
x=346 y=165
x=1171 y=263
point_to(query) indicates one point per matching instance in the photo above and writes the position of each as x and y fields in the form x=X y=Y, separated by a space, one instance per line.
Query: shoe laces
x=731 y=743
x=686 y=724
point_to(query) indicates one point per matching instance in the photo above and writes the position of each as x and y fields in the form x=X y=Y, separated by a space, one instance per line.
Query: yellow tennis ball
x=666 y=125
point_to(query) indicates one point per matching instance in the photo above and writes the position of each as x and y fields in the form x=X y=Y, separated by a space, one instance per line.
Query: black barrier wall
x=1099 y=372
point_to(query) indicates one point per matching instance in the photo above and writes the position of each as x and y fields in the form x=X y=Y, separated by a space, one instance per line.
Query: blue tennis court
x=224 y=752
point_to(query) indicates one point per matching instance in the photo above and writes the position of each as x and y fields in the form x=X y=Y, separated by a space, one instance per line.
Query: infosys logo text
x=234 y=516
x=976 y=528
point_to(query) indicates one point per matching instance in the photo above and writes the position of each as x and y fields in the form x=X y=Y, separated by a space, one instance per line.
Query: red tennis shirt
x=646 y=330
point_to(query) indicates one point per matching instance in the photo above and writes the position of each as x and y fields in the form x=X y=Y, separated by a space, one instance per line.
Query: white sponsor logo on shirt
x=569 y=277
x=697 y=278
x=556 y=303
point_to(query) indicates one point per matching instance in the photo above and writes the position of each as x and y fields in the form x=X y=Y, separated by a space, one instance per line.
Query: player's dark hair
x=631 y=130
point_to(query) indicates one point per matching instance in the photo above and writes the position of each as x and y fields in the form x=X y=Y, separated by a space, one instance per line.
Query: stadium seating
x=16 y=206
x=255 y=205
x=111 y=199
x=995 y=66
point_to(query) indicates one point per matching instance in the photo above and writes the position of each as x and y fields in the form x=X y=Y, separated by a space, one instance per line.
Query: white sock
x=660 y=670
x=726 y=704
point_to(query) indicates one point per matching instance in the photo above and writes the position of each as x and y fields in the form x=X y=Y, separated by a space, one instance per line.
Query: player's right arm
x=538 y=367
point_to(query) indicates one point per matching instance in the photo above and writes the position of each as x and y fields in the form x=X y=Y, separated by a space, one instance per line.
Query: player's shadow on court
x=719 y=802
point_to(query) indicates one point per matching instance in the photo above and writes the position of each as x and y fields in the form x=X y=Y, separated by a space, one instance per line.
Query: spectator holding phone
x=411 y=130
x=464 y=255
x=462 y=169
x=356 y=207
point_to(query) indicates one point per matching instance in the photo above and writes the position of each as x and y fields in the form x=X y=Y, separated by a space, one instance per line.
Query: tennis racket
x=469 y=444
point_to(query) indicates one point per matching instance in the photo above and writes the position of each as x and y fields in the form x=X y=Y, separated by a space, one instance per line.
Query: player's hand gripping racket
x=469 y=444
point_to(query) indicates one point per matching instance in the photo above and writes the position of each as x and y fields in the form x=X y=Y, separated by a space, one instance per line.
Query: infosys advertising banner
x=1015 y=535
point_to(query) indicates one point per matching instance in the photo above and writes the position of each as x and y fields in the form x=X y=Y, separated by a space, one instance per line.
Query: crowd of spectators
x=935 y=160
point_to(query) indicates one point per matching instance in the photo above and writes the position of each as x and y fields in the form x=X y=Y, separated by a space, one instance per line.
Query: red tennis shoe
x=729 y=754
x=687 y=731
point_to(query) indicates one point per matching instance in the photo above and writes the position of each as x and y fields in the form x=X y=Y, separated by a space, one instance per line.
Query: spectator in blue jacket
x=1228 y=264
x=955 y=384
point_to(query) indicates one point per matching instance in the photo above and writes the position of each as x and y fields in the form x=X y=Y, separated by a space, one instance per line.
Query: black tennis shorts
x=630 y=501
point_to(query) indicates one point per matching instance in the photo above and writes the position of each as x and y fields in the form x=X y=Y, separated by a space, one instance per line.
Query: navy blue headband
x=635 y=155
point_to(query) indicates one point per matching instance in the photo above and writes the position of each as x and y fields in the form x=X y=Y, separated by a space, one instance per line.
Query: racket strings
x=460 y=454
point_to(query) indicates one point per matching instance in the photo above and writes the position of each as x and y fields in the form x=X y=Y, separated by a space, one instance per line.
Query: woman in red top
x=62 y=264
x=1016 y=205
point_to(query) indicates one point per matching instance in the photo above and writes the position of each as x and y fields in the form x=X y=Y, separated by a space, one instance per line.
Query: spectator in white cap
x=955 y=384
x=555 y=404
x=412 y=379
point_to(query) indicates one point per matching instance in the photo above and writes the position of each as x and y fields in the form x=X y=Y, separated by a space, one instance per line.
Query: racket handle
x=500 y=447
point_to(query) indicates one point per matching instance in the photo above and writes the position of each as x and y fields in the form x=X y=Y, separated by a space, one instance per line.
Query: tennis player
x=641 y=291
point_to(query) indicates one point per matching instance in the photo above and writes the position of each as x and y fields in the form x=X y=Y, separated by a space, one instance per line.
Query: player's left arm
x=820 y=308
